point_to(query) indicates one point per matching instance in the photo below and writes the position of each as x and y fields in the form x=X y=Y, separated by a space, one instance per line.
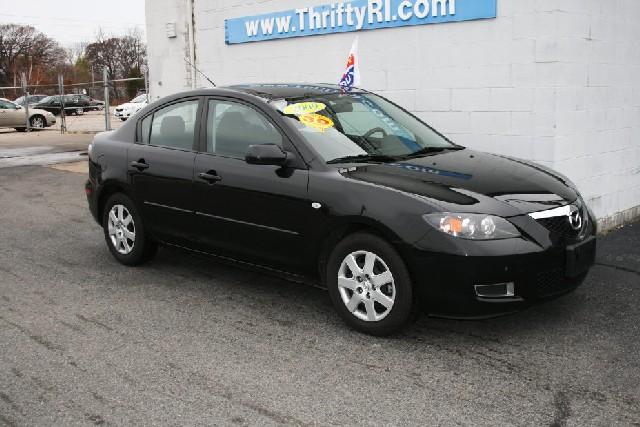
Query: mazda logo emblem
x=575 y=218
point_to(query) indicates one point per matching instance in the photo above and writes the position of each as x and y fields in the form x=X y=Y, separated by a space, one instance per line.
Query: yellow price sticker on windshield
x=304 y=108
x=316 y=121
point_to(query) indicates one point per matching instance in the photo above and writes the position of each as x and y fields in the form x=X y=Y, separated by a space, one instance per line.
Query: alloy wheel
x=37 y=123
x=366 y=286
x=122 y=229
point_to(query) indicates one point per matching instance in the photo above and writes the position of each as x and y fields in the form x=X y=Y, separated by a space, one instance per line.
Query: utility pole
x=26 y=101
x=63 y=118
x=105 y=81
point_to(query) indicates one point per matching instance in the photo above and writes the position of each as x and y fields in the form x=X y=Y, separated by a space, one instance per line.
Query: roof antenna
x=203 y=74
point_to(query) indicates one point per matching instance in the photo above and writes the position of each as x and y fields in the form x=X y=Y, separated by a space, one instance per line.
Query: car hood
x=129 y=105
x=471 y=181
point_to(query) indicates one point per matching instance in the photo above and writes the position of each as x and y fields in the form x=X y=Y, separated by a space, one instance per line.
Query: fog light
x=496 y=290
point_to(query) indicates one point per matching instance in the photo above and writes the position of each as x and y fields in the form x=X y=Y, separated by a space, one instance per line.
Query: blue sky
x=72 y=21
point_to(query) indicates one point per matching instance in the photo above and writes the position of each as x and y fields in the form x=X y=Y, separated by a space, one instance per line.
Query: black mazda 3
x=347 y=189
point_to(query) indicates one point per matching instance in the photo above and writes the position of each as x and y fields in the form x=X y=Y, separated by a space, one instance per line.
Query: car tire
x=378 y=298
x=38 y=122
x=124 y=119
x=125 y=233
x=20 y=129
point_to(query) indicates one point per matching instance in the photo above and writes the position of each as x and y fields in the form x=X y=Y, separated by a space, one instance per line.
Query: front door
x=257 y=213
x=10 y=116
x=161 y=170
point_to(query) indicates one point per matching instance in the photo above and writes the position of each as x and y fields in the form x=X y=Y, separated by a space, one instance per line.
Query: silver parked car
x=12 y=115
x=30 y=99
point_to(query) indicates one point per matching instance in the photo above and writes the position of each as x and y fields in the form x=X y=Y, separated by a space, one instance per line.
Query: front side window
x=232 y=127
x=172 y=126
x=341 y=126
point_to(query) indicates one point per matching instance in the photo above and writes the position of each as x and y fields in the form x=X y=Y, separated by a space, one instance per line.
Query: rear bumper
x=446 y=284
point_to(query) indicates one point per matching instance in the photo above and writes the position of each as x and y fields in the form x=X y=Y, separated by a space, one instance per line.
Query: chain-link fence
x=86 y=106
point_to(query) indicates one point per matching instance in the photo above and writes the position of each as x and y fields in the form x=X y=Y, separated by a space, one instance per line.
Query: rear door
x=160 y=168
x=4 y=113
x=258 y=213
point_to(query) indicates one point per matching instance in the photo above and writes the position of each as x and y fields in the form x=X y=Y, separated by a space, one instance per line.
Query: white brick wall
x=555 y=81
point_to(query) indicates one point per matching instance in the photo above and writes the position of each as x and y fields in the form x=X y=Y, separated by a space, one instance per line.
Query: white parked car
x=124 y=111
x=12 y=115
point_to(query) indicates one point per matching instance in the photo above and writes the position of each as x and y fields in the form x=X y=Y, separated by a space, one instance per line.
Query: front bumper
x=123 y=114
x=446 y=282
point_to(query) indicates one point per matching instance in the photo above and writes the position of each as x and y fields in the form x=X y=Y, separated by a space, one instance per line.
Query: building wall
x=168 y=71
x=555 y=81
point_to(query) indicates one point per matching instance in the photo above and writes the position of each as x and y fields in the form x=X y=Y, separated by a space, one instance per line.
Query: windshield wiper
x=429 y=150
x=364 y=158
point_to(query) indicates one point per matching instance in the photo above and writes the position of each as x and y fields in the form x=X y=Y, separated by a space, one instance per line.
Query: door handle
x=140 y=165
x=211 y=177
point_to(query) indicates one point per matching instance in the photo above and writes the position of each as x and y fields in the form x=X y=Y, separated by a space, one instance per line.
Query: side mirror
x=267 y=154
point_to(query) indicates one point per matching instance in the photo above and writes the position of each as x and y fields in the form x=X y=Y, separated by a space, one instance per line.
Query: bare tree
x=23 y=48
x=120 y=55
x=104 y=53
x=76 y=51
x=123 y=56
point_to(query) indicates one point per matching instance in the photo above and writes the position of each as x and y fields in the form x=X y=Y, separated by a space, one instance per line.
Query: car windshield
x=19 y=100
x=139 y=99
x=360 y=126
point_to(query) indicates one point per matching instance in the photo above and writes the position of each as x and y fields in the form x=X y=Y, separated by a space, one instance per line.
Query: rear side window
x=232 y=127
x=172 y=126
x=145 y=129
x=4 y=105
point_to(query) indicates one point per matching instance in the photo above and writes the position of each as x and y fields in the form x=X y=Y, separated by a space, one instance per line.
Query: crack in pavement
x=618 y=267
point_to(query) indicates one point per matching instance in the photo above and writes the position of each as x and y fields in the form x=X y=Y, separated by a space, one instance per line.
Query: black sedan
x=347 y=189
x=72 y=104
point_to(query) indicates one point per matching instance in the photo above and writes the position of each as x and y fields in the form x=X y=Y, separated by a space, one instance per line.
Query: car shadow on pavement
x=213 y=276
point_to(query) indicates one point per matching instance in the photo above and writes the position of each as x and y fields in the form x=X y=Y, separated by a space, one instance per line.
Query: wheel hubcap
x=37 y=123
x=122 y=229
x=366 y=286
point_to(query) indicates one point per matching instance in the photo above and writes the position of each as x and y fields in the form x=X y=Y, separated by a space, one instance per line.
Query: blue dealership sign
x=355 y=15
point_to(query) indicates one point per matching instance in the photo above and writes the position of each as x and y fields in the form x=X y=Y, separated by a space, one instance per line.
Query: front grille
x=560 y=229
x=551 y=282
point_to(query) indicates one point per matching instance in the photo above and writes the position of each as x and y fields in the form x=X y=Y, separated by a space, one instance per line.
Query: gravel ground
x=186 y=340
x=90 y=121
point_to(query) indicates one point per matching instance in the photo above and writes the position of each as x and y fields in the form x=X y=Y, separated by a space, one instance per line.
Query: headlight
x=472 y=226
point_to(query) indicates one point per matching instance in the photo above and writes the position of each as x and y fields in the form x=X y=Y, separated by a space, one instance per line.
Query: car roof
x=288 y=90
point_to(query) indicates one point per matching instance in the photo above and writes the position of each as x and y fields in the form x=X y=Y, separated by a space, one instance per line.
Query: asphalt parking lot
x=186 y=340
